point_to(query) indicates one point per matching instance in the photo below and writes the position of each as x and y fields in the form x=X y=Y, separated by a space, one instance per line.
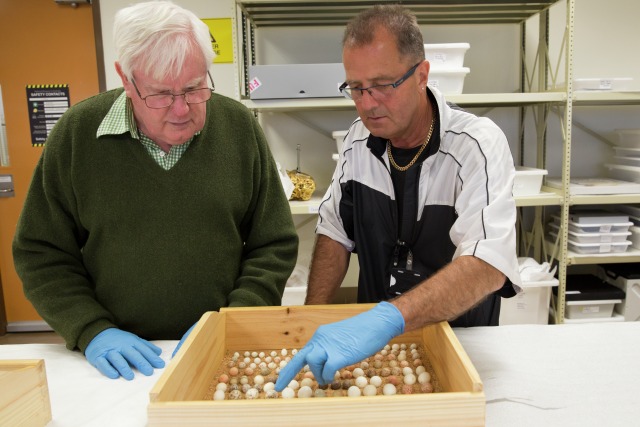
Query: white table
x=558 y=375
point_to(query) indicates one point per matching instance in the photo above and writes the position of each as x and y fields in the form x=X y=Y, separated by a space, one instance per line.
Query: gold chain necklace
x=424 y=144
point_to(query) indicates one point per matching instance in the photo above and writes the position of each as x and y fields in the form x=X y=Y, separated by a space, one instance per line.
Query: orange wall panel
x=41 y=42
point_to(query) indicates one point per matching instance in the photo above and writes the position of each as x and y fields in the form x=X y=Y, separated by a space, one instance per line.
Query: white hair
x=156 y=37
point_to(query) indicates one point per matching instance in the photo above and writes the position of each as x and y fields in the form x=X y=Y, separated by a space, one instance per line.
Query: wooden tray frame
x=24 y=393
x=176 y=399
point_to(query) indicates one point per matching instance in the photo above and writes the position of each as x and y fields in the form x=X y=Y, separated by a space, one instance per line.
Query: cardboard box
x=176 y=399
x=24 y=393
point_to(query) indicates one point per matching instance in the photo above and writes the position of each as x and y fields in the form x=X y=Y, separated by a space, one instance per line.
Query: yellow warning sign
x=221 y=38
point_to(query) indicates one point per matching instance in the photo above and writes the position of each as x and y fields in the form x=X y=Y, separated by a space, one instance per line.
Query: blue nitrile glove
x=184 y=337
x=113 y=350
x=343 y=343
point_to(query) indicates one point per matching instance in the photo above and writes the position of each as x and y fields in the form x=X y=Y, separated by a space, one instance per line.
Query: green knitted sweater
x=108 y=238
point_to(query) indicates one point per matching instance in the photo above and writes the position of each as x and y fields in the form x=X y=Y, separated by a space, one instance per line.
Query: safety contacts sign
x=221 y=32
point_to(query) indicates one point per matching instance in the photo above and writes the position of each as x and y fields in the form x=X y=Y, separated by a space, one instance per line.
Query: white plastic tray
x=617 y=227
x=597 y=185
x=598 y=248
x=579 y=237
x=603 y=83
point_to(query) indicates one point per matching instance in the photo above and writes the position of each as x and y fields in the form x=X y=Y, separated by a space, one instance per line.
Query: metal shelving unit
x=310 y=207
x=468 y=100
x=254 y=14
x=270 y=13
x=594 y=98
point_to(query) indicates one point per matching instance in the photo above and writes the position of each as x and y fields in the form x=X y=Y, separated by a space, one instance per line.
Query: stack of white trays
x=625 y=163
x=446 y=61
x=594 y=232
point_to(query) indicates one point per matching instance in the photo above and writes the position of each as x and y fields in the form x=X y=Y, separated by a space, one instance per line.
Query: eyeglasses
x=164 y=100
x=378 y=92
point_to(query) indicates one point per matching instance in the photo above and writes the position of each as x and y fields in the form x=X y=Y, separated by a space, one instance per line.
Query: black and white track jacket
x=465 y=203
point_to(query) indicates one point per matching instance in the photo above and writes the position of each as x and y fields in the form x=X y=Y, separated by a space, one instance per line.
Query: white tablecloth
x=558 y=375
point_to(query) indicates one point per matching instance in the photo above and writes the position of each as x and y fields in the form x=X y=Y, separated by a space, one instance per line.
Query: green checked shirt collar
x=120 y=120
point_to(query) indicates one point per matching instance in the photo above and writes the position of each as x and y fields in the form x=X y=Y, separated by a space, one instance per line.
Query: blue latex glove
x=184 y=337
x=112 y=352
x=344 y=343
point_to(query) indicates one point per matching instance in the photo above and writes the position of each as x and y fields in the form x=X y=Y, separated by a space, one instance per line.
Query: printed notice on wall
x=221 y=33
x=46 y=104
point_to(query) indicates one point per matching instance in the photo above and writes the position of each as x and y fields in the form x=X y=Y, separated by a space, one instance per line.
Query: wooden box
x=177 y=397
x=24 y=394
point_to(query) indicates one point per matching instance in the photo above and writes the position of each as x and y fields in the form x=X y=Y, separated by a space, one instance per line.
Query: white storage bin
x=613 y=84
x=598 y=248
x=591 y=237
x=590 y=309
x=339 y=137
x=628 y=138
x=531 y=306
x=528 y=181
x=625 y=277
x=589 y=297
x=449 y=81
x=445 y=55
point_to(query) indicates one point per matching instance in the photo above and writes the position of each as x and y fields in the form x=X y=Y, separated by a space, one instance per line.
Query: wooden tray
x=177 y=397
x=24 y=394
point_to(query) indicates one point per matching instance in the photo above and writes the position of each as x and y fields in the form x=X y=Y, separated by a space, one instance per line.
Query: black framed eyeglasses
x=378 y=92
x=164 y=100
